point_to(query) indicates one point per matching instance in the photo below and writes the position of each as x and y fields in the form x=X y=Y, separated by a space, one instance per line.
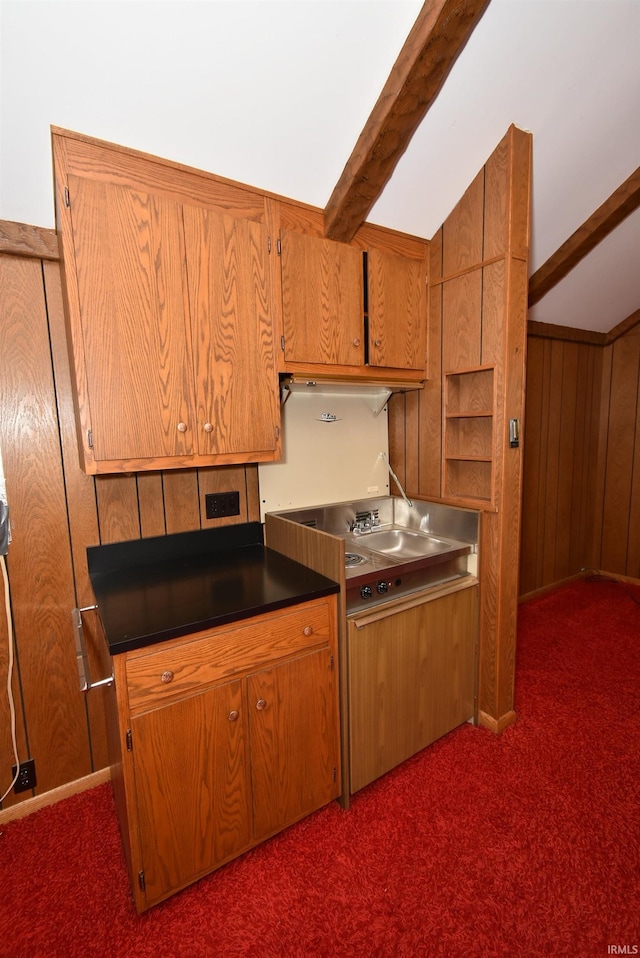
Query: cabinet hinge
x=141 y=882
x=277 y=433
x=279 y=246
x=335 y=774
x=332 y=664
x=90 y=438
x=67 y=199
x=268 y=244
x=129 y=740
x=282 y=343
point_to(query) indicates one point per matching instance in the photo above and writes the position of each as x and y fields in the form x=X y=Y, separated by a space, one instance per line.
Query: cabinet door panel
x=136 y=344
x=191 y=787
x=411 y=680
x=322 y=301
x=294 y=740
x=233 y=331
x=397 y=311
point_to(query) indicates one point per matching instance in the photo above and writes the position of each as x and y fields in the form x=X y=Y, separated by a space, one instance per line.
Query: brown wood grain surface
x=20 y=239
x=621 y=438
x=81 y=508
x=322 y=301
x=39 y=561
x=438 y=35
x=623 y=201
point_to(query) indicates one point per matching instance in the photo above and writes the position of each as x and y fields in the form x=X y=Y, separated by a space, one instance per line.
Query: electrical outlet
x=27 y=776
x=221 y=504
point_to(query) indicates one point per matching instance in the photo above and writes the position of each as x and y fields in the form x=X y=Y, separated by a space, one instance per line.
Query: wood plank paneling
x=39 y=560
x=619 y=476
x=462 y=324
x=581 y=500
x=463 y=237
x=81 y=509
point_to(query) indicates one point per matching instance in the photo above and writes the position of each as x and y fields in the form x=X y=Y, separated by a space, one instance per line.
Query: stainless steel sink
x=404 y=543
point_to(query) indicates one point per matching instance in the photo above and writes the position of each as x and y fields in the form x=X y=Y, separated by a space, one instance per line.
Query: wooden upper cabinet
x=129 y=262
x=322 y=301
x=397 y=296
x=356 y=310
x=171 y=313
x=233 y=332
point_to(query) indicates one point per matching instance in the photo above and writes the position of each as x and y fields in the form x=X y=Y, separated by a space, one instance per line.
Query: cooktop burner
x=353 y=558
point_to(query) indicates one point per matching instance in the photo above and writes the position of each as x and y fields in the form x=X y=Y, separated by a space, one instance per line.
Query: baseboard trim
x=496 y=725
x=552 y=586
x=584 y=574
x=30 y=805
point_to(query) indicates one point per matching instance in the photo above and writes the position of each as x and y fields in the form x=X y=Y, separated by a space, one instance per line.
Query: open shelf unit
x=468 y=434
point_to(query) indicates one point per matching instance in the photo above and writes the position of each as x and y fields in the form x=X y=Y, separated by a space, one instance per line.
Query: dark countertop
x=150 y=590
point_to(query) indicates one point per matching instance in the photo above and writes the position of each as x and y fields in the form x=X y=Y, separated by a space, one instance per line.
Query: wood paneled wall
x=560 y=460
x=57 y=511
x=617 y=546
x=581 y=495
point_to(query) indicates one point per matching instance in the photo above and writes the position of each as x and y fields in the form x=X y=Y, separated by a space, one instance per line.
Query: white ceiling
x=275 y=92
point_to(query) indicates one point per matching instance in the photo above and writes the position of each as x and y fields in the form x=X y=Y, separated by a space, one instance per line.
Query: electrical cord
x=12 y=708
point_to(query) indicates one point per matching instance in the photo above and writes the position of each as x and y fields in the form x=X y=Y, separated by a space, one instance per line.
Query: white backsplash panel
x=333 y=440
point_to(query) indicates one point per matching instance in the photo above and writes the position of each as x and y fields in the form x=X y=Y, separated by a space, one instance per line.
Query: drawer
x=186 y=665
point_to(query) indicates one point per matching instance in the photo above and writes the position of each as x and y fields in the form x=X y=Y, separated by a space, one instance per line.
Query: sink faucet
x=364 y=523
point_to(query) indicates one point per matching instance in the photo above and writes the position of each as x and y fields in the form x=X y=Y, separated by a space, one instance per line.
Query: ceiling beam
x=613 y=211
x=432 y=47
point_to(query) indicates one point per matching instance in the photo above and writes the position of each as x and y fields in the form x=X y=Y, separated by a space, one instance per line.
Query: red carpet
x=517 y=846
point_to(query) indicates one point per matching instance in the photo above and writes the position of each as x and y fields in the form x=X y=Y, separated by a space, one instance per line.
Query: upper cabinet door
x=233 y=335
x=129 y=263
x=397 y=310
x=322 y=301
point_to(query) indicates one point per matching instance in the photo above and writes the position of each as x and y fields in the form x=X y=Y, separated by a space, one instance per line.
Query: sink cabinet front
x=412 y=667
x=220 y=740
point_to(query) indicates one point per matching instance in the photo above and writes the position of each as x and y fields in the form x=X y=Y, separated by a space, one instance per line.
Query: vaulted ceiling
x=277 y=92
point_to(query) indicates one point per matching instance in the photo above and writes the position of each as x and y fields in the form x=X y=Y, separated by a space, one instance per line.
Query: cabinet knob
x=208 y=427
x=167 y=676
x=261 y=704
x=377 y=342
x=307 y=630
x=233 y=715
x=182 y=427
x=356 y=342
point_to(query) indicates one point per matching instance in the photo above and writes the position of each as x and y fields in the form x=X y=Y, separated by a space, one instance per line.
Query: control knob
x=382 y=587
x=366 y=591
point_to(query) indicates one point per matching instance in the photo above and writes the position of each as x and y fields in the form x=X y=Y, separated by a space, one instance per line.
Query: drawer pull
x=167 y=676
x=261 y=704
x=182 y=427
x=307 y=630
x=233 y=715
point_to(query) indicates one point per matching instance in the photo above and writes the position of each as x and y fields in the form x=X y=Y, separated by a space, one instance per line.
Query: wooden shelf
x=468 y=434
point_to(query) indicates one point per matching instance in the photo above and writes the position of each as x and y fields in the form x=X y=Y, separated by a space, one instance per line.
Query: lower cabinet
x=412 y=677
x=222 y=739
